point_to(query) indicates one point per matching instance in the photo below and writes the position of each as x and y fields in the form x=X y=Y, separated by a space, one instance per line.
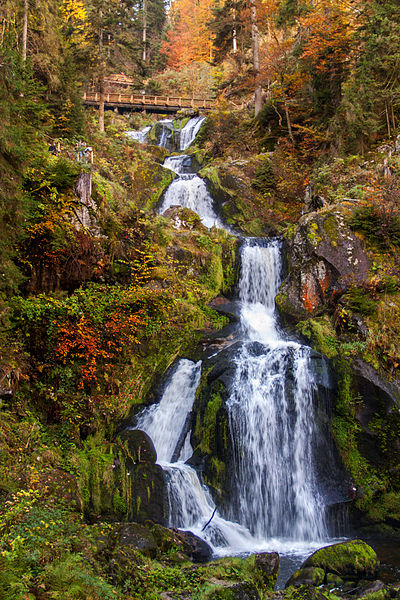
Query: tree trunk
x=101 y=75
x=25 y=30
x=255 y=38
x=234 y=32
x=144 y=36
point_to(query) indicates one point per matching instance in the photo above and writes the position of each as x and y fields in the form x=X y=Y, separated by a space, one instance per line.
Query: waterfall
x=275 y=499
x=189 y=132
x=140 y=136
x=190 y=503
x=271 y=413
x=190 y=191
x=164 y=422
x=179 y=164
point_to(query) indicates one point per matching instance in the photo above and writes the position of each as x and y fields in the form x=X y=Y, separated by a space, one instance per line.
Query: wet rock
x=307 y=592
x=354 y=559
x=136 y=537
x=196 y=548
x=333 y=580
x=308 y=576
x=267 y=564
x=243 y=590
x=149 y=494
x=370 y=588
x=138 y=445
x=325 y=257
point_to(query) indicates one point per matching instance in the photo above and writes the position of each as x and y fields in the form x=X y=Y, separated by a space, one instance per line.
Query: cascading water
x=275 y=499
x=189 y=132
x=190 y=191
x=271 y=413
x=190 y=503
x=140 y=136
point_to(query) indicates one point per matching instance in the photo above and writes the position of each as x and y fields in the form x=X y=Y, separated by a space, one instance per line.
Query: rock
x=306 y=592
x=139 y=446
x=333 y=580
x=196 y=548
x=149 y=494
x=325 y=257
x=354 y=559
x=308 y=576
x=137 y=537
x=370 y=588
x=235 y=591
x=267 y=564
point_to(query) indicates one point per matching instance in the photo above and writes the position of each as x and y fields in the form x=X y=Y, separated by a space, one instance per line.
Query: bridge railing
x=116 y=99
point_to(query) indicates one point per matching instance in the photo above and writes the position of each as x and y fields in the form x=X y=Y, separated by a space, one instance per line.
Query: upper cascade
x=189 y=132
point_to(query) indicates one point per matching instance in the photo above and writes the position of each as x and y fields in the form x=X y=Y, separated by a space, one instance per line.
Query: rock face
x=324 y=257
x=353 y=560
x=145 y=479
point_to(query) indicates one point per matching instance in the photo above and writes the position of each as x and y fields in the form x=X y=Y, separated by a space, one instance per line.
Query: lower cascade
x=275 y=501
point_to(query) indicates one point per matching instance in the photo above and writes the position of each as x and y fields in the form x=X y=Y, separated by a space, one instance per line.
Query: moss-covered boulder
x=352 y=560
x=308 y=576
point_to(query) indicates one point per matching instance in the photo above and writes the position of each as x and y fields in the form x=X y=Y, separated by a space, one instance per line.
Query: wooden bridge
x=138 y=102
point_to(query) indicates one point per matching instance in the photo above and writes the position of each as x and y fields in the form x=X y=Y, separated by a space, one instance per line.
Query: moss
x=205 y=428
x=312 y=234
x=331 y=228
x=347 y=559
x=321 y=333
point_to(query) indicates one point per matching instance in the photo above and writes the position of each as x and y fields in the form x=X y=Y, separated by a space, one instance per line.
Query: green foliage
x=381 y=228
x=359 y=301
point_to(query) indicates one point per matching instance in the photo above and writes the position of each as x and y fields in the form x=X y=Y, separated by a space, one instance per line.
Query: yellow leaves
x=74 y=13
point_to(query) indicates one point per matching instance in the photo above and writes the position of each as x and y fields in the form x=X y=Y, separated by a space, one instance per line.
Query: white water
x=189 y=132
x=140 y=136
x=275 y=501
x=178 y=164
x=164 y=421
x=190 y=191
x=271 y=414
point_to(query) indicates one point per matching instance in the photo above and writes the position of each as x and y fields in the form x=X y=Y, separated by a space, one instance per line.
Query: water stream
x=276 y=502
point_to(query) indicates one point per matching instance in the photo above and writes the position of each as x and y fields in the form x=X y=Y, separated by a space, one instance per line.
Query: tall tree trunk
x=255 y=38
x=144 y=36
x=234 y=32
x=25 y=29
x=101 y=74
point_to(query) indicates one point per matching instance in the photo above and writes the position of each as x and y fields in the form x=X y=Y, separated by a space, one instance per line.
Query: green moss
x=205 y=428
x=321 y=333
x=348 y=559
x=312 y=234
x=331 y=228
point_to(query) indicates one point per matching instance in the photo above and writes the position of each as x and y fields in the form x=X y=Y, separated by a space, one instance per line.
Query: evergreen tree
x=371 y=103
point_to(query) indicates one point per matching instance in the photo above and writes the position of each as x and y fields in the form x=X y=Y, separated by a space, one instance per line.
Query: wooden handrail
x=143 y=99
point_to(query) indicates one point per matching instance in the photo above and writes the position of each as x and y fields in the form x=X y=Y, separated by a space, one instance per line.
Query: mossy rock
x=306 y=592
x=266 y=568
x=354 y=559
x=309 y=576
x=243 y=590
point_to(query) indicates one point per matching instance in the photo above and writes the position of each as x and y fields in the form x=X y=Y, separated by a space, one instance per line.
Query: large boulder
x=196 y=548
x=325 y=257
x=351 y=560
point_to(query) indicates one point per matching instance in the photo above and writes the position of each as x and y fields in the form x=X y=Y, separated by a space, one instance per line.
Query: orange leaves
x=189 y=39
x=328 y=34
x=90 y=346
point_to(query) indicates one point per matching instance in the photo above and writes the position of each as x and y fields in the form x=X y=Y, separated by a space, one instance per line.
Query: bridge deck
x=145 y=102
